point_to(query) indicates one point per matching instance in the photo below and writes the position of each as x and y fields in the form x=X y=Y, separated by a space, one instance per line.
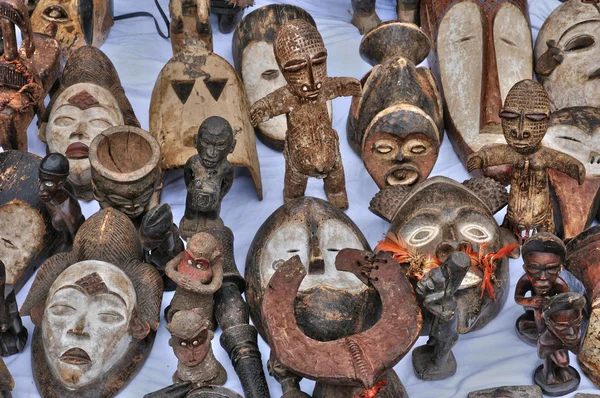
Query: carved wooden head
x=302 y=57
x=543 y=257
x=567 y=54
x=563 y=315
x=214 y=141
x=191 y=336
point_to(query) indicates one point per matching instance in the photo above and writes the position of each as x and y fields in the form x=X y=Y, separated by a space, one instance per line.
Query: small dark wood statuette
x=437 y=290
x=208 y=176
x=525 y=122
x=365 y=18
x=311 y=146
x=543 y=257
x=563 y=315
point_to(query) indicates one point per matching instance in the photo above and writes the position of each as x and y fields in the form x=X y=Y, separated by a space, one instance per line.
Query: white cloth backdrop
x=490 y=357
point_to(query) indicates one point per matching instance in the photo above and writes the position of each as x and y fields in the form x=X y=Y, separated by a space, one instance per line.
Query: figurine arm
x=227 y=180
x=240 y=339
x=188 y=173
x=491 y=156
x=274 y=104
x=524 y=286
x=334 y=87
x=564 y=163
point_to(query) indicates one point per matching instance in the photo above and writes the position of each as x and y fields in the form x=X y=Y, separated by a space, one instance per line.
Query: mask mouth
x=76 y=356
x=77 y=150
x=402 y=175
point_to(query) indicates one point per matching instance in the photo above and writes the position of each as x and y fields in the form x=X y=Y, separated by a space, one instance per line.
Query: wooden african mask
x=255 y=62
x=365 y=18
x=397 y=124
x=439 y=216
x=568 y=56
x=96 y=311
x=574 y=131
x=508 y=392
x=481 y=49
x=358 y=364
x=125 y=173
x=316 y=231
x=26 y=231
x=583 y=262
x=26 y=73
x=79 y=22
x=89 y=100
x=195 y=85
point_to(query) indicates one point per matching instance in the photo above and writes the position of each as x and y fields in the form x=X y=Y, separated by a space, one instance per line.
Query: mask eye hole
x=475 y=233
x=383 y=147
x=56 y=13
x=509 y=115
x=536 y=117
x=580 y=43
x=270 y=74
x=422 y=235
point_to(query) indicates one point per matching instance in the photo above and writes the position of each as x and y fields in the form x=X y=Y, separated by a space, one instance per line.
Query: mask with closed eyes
x=439 y=216
x=316 y=231
x=567 y=53
x=481 y=49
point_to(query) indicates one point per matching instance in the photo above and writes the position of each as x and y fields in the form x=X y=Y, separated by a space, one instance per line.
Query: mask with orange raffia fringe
x=420 y=264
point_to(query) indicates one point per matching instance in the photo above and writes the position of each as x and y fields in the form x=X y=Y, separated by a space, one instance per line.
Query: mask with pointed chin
x=481 y=49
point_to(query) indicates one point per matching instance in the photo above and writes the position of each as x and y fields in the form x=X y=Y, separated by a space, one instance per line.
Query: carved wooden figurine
x=584 y=263
x=125 y=173
x=440 y=216
x=481 y=49
x=357 y=364
x=543 y=257
x=190 y=19
x=508 y=392
x=96 y=311
x=13 y=335
x=312 y=146
x=209 y=283
x=26 y=231
x=208 y=176
x=26 y=73
x=255 y=62
x=397 y=124
x=90 y=100
x=437 y=291
x=562 y=314
x=160 y=240
x=567 y=57
x=525 y=122
x=57 y=195
x=365 y=18
x=7 y=383
x=195 y=85
x=79 y=22
x=316 y=231
x=191 y=338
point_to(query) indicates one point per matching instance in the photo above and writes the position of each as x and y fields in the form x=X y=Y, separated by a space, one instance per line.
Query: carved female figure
x=311 y=146
x=525 y=122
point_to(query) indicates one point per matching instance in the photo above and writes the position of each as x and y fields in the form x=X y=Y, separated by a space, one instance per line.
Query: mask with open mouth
x=567 y=53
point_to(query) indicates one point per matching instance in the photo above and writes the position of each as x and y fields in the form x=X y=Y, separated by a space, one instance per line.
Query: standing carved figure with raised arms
x=312 y=147
x=525 y=122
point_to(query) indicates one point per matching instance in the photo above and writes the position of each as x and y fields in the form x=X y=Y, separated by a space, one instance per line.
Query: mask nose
x=316 y=263
x=446 y=248
x=594 y=158
x=79 y=329
x=80 y=132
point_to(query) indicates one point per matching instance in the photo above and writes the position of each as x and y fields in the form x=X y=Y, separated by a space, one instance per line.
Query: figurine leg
x=527 y=330
x=364 y=18
x=289 y=381
x=294 y=184
x=227 y=22
x=408 y=11
x=194 y=222
x=335 y=186
x=551 y=383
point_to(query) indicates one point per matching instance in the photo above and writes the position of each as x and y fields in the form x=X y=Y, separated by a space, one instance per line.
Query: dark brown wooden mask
x=439 y=216
x=481 y=49
x=316 y=231
x=79 y=22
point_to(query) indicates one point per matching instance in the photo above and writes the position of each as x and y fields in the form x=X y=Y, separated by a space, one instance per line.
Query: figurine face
x=49 y=187
x=196 y=268
x=482 y=48
x=542 y=269
x=191 y=352
x=80 y=114
x=214 y=145
x=525 y=116
x=566 y=325
x=574 y=28
x=79 y=22
x=86 y=321
x=302 y=58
